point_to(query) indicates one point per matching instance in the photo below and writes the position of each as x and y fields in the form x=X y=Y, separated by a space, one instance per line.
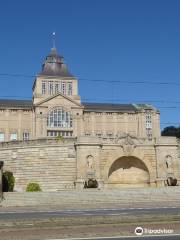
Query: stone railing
x=35 y=142
x=163 y=140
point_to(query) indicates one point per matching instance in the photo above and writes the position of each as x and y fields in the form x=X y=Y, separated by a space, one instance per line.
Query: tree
x=171 y=131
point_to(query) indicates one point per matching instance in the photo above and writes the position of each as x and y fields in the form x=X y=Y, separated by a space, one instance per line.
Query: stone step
x=92 y=197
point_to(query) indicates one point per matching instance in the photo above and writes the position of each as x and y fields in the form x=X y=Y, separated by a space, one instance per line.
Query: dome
x=54 y=65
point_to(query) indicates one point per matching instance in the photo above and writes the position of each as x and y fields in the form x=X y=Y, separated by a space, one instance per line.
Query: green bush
x=33 y=187
x=8 y=181
x=59 y=138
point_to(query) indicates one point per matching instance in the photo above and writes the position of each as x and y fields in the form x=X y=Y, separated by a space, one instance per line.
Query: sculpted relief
x=90 y=171
x=89 y=163
x=169 y=164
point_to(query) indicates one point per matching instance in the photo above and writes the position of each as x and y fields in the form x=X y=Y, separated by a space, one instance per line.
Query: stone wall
x=51 y=163
x=1 y=170
x=124 y=161
x=127 y=161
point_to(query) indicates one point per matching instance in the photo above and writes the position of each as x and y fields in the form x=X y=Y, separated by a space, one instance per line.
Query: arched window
x=59 y=118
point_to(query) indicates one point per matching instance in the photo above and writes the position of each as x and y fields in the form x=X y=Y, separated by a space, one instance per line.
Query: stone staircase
x=94 y=197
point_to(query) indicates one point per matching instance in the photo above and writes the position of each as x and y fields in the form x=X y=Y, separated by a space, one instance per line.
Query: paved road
x=93 y=212
x=169 y=237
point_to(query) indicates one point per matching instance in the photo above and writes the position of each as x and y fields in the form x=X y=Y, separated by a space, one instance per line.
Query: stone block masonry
x=51 y=163
x=59 y=164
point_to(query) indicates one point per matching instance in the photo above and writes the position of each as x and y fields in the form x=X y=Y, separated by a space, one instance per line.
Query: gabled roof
x=12 y=103
x=56 y=95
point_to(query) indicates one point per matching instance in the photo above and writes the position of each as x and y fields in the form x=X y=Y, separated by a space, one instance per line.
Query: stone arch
x=128 y=171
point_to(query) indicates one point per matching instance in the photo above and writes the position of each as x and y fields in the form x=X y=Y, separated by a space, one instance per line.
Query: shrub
x=33 y=187
x=8 y=181
x=59 y=138
x=91 y=183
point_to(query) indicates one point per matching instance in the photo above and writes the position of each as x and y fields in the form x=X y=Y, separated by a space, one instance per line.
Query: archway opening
x=128 y=172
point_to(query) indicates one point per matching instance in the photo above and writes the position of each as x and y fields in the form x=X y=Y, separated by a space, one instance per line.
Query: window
x=149 y=125
x=59 y=118
x=69 y=88
x=87 y=134
x=26 y=111
x=63 y=88
x=1 y=137
x=26 y=136
x=110 y=135
x=98 y=134
x=13 y=136
x=50 y=88
x=57 y=87
x=59 y=133
x=43 y=87
x=149 y=133
x=13 y=111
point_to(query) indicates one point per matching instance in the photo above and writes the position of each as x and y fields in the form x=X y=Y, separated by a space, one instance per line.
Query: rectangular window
x=98 y=134
x=1 y=137
x=26 y=136
x=69 y=88
x=43 y=87
x=13 y=136
x=71 y=122
x=149 y=125
x=87 y=134
x=109 y=134
x=50 y=90
x=149 y=133
x=63 y=88
x=148 y=120
x=57 y=87
x=59 y=133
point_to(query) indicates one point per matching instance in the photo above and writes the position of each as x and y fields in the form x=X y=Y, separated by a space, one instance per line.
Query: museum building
x=60 y=142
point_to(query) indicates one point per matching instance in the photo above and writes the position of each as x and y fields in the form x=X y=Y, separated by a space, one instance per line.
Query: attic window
x=43 y=87
x=50 y=88
x=57 y=87
x=69 y=88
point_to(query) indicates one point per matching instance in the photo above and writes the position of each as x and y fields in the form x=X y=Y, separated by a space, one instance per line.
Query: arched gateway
x=128 y=172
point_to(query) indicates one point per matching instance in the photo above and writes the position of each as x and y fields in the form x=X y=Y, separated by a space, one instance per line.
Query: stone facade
x=1 y=172
x=60 y=142
x=114 y=162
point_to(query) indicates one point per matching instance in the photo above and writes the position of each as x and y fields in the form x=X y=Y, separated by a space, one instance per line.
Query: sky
x=131 y=46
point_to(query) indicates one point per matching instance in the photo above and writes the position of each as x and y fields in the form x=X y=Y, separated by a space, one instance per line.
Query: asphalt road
x=92 y=212
x=165 y=237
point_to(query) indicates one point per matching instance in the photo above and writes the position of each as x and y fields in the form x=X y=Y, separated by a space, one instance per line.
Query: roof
x=145 y=106
x=54 y=65
x=94 y=107
x=103 y=107
x=11 y=103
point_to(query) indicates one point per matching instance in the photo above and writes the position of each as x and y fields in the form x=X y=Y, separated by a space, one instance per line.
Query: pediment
x=58 y=99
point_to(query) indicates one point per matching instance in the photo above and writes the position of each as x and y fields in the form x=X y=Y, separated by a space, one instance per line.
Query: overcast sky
x=110 y=40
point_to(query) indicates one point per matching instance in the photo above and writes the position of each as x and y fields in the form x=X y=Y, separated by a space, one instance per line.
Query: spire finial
x=54 y=39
